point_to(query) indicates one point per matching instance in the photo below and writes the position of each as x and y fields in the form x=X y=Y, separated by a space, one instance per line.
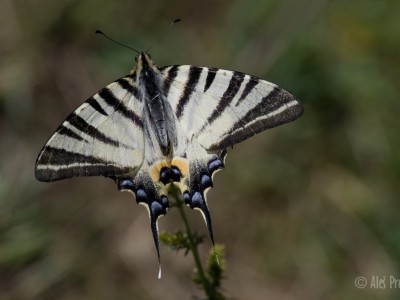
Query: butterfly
x=161 y=126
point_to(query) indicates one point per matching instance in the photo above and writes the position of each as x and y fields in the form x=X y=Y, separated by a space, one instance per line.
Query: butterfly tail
x=156 y=204
x=200 y=181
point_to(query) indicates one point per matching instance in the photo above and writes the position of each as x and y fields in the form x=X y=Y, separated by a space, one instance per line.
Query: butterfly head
x=144 y=64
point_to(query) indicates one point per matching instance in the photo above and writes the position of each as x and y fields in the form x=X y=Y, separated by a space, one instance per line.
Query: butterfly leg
x=156 y=205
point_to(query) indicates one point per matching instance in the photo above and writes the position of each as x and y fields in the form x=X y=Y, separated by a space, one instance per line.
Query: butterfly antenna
x=164 y=34
x=105 y=35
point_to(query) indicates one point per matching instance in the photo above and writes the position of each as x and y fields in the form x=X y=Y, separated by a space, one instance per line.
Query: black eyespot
x=165 y=175
x=175 y=174
x=136 y=58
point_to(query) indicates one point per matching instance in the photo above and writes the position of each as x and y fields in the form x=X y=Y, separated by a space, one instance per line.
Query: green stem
x=194 y=249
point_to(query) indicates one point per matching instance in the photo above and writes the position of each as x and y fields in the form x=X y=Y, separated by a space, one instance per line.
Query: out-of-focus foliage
x=180 y=241
x=302 y=209
x=214 y=273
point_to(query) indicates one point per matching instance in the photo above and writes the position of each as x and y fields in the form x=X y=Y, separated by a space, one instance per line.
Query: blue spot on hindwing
x=125 y=184
x=215 y=165
x=186 y=197
x=205 y=181
x=197 y=200
x=141 y=195
x=156 y=209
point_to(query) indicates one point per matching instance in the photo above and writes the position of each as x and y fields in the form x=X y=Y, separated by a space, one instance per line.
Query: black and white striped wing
x=221 y=108
x=104 y=136
x=216 y=109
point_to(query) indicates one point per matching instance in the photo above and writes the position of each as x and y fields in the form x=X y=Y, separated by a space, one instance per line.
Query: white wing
x=221 y=108
x=104 y=136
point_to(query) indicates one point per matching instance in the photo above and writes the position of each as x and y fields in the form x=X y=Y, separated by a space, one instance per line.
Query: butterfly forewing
x=221 y=108
x=104 y=136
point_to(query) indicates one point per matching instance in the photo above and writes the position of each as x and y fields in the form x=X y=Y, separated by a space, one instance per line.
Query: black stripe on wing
x=212 y=72
x=68 y=132
x=48 y=175
x=67 y=164
x=117 y=105
x=60 y=157
x=229 y=94
x=250 y=85
x=190 y=86
x=126 y=85
x=248 y=125
x=80 y=124
x=170 y=77
x=96 y=105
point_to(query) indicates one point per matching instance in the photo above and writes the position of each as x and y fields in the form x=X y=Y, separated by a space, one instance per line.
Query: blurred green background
x=302 y=209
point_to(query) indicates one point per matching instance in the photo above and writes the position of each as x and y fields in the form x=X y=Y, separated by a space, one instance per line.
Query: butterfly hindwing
x=197 y=179
x=104 y=136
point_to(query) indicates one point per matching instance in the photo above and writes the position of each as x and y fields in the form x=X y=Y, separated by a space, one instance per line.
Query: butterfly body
x=163 y=126
x=158 y=109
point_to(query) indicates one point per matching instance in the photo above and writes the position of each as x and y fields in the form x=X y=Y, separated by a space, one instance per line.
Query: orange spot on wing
x=155 y=169
x=181 y=163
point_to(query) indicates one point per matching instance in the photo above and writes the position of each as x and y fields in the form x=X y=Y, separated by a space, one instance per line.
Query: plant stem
x=194 y=249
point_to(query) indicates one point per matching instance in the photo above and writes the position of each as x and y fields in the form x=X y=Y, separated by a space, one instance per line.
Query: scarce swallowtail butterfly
x=161 y=126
